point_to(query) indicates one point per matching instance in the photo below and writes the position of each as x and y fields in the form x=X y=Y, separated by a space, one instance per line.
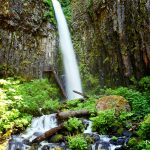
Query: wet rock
x=26 y=142
x=113 y=102
x=121 y=141
x=86 y=123
x=54 y=146
x=105 y=145
x=96 y=137
x=127 y=133
x=45 y=147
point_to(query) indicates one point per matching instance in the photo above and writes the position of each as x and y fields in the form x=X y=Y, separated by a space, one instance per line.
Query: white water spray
x=72 y=77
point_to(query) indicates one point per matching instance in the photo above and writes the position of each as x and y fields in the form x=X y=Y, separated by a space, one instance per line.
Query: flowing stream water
x=72 y=76
x=44 y=123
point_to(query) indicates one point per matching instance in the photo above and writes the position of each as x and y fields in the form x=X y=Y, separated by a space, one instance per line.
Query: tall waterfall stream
x=72 y=76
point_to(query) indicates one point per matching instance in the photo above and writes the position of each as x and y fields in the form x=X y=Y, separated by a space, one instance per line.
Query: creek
x=42 y=124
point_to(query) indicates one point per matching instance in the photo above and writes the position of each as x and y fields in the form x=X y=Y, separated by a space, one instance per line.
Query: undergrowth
x=20 y=100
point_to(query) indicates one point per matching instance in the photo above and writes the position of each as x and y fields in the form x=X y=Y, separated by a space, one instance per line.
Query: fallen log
x=68 y=114
x=60 y=116
x=85 y=96
x=47 y=134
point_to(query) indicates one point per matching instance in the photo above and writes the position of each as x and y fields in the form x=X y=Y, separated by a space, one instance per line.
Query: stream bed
x=42 y=124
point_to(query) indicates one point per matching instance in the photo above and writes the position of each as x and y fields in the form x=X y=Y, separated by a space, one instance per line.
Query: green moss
x=56 y=138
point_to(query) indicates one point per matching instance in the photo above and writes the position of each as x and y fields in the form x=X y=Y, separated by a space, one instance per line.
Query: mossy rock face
x=118 y=103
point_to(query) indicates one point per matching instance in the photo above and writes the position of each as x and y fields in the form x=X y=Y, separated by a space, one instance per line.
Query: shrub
x=13 y=119
x=20 y=100
x=132 y=143
x=89 y=104
x=104 y=121
x=144 y=83
x=74 y=125
x=144 y=129
x=143 y=145
x=36 y=94
x=77 y=143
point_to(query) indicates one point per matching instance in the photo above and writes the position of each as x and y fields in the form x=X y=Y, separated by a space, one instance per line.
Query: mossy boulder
x=118 y=103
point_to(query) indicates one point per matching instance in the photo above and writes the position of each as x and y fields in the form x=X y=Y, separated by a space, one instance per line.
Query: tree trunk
x=66 y=115
x=47 y=134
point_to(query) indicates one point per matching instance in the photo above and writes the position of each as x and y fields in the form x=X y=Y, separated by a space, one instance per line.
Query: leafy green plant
x=13 y=119
x=132 y=143
x=37 y=94
x=77 y=142
x=144 y=87
x=19 y=100
x=144 y=129
x=89 y=104
x=66 y=9
x=144 y=83
x=104 y=121
x=74 y=125
x=49 y=14
x=73 y=103
x=143 y=145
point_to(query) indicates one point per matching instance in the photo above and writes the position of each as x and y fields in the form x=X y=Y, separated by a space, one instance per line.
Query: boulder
x=118 y=103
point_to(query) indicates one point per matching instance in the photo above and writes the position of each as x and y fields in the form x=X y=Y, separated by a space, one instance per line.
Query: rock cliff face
x=27 y=40
x=112 y=38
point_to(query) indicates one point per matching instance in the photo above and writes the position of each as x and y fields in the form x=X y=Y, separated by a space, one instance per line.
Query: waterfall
x=38 y=126
x=121 y=17
x=72 y=76
x=89 y=127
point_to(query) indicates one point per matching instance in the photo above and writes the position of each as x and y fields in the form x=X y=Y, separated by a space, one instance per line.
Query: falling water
x=89 y=127
x=72 y=77
x=38 y=127
x=121 y=17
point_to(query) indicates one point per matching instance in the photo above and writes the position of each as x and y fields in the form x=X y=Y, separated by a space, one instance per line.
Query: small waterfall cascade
x=38 y=127
x=72 y=76
x=104 y=143
x=89 y=127
x=121 y=17
x=46 y=122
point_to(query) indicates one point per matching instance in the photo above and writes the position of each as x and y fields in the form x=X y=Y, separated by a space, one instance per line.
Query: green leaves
x=20 y=100
x=104 y=121
x=144 y=129
x=74 y=125
x=77 y=142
